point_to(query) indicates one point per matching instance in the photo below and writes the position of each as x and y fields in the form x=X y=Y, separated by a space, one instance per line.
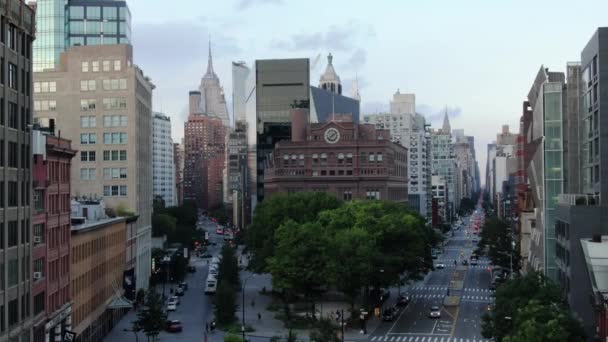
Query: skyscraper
x=18 y=28
x=163 y=174
x=65 y=23
x=109 y=120
x=444 y=164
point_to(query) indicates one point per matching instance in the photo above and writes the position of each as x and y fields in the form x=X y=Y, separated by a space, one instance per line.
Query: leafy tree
x=276 y=210
x=228 y=270
x=158 y=205
x=325 y=332
x=467 y=205
x=232 y=338
x=163 y=224
x=225 y=303
x=545 y=322
x=496 y=236
x=179 y=265
x=152 y=318
x=301 y=256
x=123 y=210
x=511 y=311
x=220 y=213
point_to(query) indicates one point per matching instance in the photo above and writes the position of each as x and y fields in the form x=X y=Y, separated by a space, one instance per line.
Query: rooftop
x=92 y=225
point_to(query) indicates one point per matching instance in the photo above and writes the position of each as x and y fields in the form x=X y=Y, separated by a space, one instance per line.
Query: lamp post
x=243 y=304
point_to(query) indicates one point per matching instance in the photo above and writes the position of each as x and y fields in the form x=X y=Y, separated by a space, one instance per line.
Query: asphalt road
x=457 y=324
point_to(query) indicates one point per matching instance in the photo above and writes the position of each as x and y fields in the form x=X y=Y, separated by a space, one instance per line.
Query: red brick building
x=204 y=160
x=51 y=239
x=349 y=160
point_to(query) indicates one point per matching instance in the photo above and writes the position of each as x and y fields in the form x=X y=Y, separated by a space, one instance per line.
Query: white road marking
x=374 y=338
x=392 y=338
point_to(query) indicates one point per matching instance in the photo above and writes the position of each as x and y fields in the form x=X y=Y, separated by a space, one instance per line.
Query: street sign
x=69 y=336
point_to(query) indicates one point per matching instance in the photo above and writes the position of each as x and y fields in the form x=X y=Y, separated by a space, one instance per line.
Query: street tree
x=232 y=338
x=163 y=224
x=151 y=319
x=276 y=210
x=179 y=267
x=514 y=295
x=496 y=237
x=545 y=322
x=300 y=263
x=225 y=303
x=325 y=331
x=228 y=270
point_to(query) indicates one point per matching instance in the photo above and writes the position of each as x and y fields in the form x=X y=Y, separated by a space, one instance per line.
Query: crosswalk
x=444 y=288
x=441 y=295
x=477 y=298
x=424 y=338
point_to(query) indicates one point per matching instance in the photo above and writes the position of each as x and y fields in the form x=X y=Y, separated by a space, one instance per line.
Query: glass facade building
x=65 y=23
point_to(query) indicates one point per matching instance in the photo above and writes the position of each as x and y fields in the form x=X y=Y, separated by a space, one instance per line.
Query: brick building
x=350 y=160
x=52 y=157
x=204 y=156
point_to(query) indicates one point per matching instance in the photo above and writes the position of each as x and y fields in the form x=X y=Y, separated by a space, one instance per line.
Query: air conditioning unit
x=37 y=275
x=37 y=239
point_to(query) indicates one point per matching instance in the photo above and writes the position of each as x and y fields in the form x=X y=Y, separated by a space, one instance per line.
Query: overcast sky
x=477 y=57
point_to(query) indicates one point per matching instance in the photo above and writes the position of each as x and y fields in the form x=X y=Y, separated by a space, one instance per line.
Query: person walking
x=259 y=316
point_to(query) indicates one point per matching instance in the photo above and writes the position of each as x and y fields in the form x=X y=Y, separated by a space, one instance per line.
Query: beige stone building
x=100 y=100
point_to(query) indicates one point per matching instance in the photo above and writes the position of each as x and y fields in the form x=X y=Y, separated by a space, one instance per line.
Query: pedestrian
x=207 y=327
x=252 y=303
x=259 y=316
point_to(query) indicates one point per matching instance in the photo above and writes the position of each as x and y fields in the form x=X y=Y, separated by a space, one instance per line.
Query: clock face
x=332 y=135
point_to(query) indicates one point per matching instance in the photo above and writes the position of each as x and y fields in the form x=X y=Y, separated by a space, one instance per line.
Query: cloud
x=356 y=60
x=244 y=4
x=336 y=38
x=435 y=115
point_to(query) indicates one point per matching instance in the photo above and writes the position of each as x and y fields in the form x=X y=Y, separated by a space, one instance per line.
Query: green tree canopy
x=152 y=318
x=495 y=235
x=269 y=215
x=526 y=307
x=163 y=224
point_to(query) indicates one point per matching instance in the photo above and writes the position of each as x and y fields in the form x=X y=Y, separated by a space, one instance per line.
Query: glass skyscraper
x=65 y=23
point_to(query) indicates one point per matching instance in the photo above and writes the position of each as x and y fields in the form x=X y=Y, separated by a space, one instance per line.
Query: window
x=114 y=121
x=12 y=76
x=12 y=154
x=114 y=190
x=115 y=103
x=13 y=116
x=117 y=65
x=45 y=87
x=93 y=12
x=106 y=65
x=372 y=157
x=85 y=66
x=76 y=12
x=349 y=158
x=87 y=174
x=87 y=156
x=13 y=306
x=116 y=138
x=347 y=195
x=87 y=104
x=88 y=138
x=13 y=234
x=39 y=300
x=87 y=85
x=114 y=173
x=12 y=194
x=95 y=66
x=379 y=156
x=13 y=272
x=87 y=121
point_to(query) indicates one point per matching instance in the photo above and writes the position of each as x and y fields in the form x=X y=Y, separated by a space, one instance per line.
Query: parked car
x=183 y=285
x=474 y=262
x=174 y=299
x=440 y=266
x=219 y=231
x=179 y=291
x=174 y=326
x=206 y=256
x=403 y=299
x=435 y=312
x=191 y=269
x=171 y=306
x=389 y=314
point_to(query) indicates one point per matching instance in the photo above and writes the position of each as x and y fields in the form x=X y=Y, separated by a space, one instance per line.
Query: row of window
x=90 y=121
x=45 y=87
x=116 y=138
x=115 y=190
x=108 y=173
x=85 y=104
x=94 y=66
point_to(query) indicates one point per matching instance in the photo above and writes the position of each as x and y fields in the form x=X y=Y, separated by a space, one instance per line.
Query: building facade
x=444 y=165
x=209 y=99
x=51 y=222
x=18 y=29
x=178 y=162
x=65 y=23
x=163 y=174
x=440 y=198
x=340 y=157
x=98 y=249
x=102 y=102
x=236 y=191
x=204 y=158
x=408 y=129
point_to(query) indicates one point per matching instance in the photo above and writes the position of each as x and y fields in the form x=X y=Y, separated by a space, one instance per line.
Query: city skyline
x=384 y=59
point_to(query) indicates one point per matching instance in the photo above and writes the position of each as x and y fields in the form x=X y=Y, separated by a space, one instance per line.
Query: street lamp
x=243 y=304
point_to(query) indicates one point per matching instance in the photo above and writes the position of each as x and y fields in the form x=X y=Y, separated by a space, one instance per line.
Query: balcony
x=578 y=199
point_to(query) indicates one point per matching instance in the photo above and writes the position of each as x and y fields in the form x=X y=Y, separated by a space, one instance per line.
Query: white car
x=440 y=266
x=435 y=312
x=173 y=299
x=172 y=306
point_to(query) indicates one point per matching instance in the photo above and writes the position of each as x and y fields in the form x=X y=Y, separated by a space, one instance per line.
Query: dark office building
x=17 y=34
x=281 y=84
x=324 y=104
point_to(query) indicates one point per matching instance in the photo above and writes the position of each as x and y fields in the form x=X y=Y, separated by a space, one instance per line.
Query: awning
x=120 y=303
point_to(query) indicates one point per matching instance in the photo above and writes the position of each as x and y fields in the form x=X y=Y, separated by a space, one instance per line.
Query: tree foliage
x=227 y=285
x=467 y=205
x=276 y=210
x=228 y=270
x=163 y=224
x=220 y=213
x=152 y=318
x=495 y=235
x=179 y=268
x=325 y=331
x=232 y=338
x=531 y=308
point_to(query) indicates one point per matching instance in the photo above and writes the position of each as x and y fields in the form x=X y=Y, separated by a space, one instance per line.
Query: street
x=458 y=323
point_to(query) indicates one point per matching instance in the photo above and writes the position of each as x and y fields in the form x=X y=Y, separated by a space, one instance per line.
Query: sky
x=477 y=58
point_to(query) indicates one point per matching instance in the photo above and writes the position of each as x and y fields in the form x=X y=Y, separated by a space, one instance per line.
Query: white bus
x=211 y=285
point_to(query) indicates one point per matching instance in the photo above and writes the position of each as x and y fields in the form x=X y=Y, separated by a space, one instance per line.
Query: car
x=171 y=306
x=440 y=266
x=475 y=240
x=174 y=326
x=213 y=270
x=493 y=285
x=465 y=262
x=206 y=256
x=389 y=314
x=173 y=299
x=435 y=312
x=403 y=300
x=474 y=262
x=191 y=269
x=219 y=231
x=183 y=285
x=180 y=291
